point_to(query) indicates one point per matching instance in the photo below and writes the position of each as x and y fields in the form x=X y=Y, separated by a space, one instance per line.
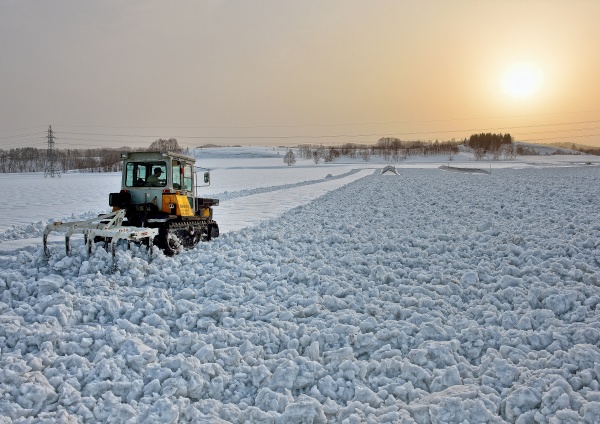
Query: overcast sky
x=125 y=72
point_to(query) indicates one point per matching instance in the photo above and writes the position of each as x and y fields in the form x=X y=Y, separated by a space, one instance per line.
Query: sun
x=522 y=80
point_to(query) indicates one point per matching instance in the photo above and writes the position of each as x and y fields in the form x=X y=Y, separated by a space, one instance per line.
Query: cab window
x=146 y=174
x=188 y=181
x=177 y=175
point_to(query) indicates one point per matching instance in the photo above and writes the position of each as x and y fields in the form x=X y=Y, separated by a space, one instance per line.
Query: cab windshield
x=146 y=174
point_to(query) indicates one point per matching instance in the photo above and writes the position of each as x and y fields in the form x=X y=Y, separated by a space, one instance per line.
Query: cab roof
x=156 y=156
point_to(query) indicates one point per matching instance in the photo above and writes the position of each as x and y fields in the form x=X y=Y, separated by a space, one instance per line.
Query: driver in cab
x=154 y=179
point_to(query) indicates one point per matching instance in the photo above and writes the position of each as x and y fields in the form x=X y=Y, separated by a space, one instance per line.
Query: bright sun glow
x=522 y=80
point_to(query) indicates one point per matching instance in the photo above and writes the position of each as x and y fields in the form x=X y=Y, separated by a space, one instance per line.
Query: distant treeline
x=590 y=150
x=495 y=146
x=386 y=147
x=31 y=159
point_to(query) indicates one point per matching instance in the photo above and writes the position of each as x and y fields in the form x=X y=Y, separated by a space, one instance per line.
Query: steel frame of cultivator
x=107 y=227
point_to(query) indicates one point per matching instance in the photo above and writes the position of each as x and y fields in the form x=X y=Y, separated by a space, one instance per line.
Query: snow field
x=428 y=297
x=86 y=195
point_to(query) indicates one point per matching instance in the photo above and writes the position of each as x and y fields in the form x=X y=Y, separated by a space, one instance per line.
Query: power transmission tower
x=51 y=168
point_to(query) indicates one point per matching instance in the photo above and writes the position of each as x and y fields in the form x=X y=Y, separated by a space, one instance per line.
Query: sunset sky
x=276 y=72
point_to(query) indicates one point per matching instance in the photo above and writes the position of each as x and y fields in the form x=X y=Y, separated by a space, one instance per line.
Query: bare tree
x=332 y=154
x=365 y=155
x=289 y=158
x=164 y=145
x=316 y=156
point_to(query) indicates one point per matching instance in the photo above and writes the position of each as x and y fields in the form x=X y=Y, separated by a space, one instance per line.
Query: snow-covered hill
x=426 y=297
x=545 y=150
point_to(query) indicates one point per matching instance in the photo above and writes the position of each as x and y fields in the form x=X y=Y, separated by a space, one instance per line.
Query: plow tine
x=55 y=226
x=45 y=244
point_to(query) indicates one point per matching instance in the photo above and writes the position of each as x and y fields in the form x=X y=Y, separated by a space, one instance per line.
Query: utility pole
x=51 y=168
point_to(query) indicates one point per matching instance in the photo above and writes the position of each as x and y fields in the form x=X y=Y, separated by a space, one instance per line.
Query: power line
x=22 y=129
x=561 y=138
x=388 y=134
x=301 y=125
x=19 y=135
x=334 y=125
x=559 y=131
x=19 y=143
x=14 y=140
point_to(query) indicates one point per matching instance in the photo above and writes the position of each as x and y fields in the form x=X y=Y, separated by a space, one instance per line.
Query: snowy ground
x=427 y=297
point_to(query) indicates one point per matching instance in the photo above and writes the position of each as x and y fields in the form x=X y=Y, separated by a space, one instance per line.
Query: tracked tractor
x=157 y=205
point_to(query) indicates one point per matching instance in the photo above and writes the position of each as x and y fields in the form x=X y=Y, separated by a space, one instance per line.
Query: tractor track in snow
x=229 y=195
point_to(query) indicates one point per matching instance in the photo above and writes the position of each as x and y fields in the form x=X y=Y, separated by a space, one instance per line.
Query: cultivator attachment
x=107 y=227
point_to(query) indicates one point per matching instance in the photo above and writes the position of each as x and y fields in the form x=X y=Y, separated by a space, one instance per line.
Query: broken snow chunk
x=449 y=377
x=34 y=395
x=186 y=294
x=62 y=313
x=419 y=377
x=50 y=284
x=184 y=305
x=591 y=412
x=137 y=354
x=197 y=386
x=163 y=411
x=156 y=321
x=216 y=387
x=260 y=285
x=252 y=414
x=221 y=290
x=485 y=226
x=110 y=409
x=268 y=400
x=152 y=387
x=206 y=354
x=259 y=375
x=510 y=281
x=313 y=351
x=562 y=302
x=305 y=410
x=469 y=279
x=521 y=400
x=567 y=416
x=457 y=404
x=286 y=316
x=585 y=357
x=365 y=395
x=230 y=356
x=174 y=386
x=385 y=352
x=336 y=357
x=284 y=376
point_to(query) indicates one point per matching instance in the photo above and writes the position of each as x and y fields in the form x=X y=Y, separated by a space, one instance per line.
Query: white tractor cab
x=147 y=176
x=157 y=204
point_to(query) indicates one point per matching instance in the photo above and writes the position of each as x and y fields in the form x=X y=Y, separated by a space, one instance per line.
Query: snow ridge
x=429 y=298
x=467 y=170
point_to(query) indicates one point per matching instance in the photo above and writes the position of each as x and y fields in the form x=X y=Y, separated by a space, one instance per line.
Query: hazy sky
x=124 y=72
